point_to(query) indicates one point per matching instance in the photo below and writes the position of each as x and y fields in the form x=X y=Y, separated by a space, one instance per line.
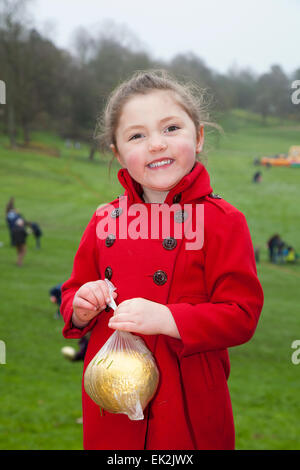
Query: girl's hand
x=143 y=316
x=89 y=300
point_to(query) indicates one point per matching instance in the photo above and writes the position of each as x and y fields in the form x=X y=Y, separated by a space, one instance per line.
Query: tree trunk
x=26 y=132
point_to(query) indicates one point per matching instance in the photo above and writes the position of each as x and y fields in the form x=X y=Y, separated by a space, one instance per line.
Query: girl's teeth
x=163 y=162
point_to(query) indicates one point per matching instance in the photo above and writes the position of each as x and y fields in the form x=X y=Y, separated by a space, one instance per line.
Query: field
x=40 y=390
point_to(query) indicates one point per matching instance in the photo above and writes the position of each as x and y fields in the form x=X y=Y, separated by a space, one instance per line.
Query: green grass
x=40 y=390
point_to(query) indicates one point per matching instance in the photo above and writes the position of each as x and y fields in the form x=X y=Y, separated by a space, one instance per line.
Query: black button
x=116 y=212
x=110 y=240
x=160 y=278
x=177 y=198
x=108 y=273
x=214 y=196
x=169 y=243
x=180 y=216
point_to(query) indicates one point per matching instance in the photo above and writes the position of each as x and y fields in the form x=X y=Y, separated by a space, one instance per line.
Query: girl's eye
x=135 y=136
x=172 y=128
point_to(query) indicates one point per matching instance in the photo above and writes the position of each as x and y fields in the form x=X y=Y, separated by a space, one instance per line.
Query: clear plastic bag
x=122 y=377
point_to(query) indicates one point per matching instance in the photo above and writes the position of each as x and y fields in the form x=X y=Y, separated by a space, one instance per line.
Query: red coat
x=216 y=299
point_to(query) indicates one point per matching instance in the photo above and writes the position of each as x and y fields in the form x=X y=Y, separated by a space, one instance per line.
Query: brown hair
x=189 y=96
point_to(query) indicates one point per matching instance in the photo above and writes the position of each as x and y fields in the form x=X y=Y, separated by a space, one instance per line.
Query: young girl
x=188 y=305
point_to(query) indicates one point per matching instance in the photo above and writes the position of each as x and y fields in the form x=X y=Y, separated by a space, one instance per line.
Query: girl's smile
x=157 y=142
x=160 y=163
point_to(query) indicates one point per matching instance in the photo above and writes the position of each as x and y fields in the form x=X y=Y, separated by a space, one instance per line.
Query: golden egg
x=122 y=382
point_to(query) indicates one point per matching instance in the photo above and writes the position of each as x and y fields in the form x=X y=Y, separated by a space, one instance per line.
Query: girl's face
x=156 y=140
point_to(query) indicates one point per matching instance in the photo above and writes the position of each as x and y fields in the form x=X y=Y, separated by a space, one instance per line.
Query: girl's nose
x=157 y=145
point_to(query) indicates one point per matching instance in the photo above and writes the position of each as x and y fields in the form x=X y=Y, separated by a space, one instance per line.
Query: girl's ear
x=116 y=153
x=200 y=139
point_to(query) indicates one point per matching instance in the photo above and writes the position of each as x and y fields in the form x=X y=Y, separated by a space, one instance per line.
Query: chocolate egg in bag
x=122 y=377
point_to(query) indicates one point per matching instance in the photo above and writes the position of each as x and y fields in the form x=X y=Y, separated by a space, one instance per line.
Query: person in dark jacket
x=18 y=237
x=257 y=177
x=55 y=297
x=37 y=233
x=273 y=245
x=12 y=215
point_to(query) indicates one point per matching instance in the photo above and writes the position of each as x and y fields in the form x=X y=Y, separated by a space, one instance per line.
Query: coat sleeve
x=234 y=291
x=85 y=269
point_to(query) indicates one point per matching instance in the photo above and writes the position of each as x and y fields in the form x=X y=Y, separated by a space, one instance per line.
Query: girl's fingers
x=79 y=302
x=95 y=293
x=92 y=293
x=86 y=294
x=99 y=294
x=103 y=287
x=124 y=326
x=121 y=318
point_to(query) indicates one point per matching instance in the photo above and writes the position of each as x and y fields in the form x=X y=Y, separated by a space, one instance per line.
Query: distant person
x=11 y=218
x=19 y=236
x=12 y=215
x=55 y=297
x=257 y=178
x=37 y=233
x=273 y=244
x=291 y=255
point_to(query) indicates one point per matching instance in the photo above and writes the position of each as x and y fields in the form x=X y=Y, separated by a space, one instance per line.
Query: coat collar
x=194 y=185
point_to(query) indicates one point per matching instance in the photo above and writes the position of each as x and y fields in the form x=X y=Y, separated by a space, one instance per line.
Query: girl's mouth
x=160 y=164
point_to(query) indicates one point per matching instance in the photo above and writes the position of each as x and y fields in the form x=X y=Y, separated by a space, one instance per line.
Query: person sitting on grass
x=291 y=255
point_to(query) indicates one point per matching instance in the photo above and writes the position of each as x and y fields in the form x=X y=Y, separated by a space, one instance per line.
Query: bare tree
x=12 y=34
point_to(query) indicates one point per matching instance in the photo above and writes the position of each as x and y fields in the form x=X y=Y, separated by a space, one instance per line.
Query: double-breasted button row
x=179 y=216
x=159 y=277
x=168 y=243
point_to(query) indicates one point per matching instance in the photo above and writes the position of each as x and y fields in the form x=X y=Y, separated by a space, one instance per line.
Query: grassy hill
x=40 y=390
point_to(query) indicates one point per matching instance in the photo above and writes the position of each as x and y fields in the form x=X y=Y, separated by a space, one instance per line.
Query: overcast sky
x=244 y=33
